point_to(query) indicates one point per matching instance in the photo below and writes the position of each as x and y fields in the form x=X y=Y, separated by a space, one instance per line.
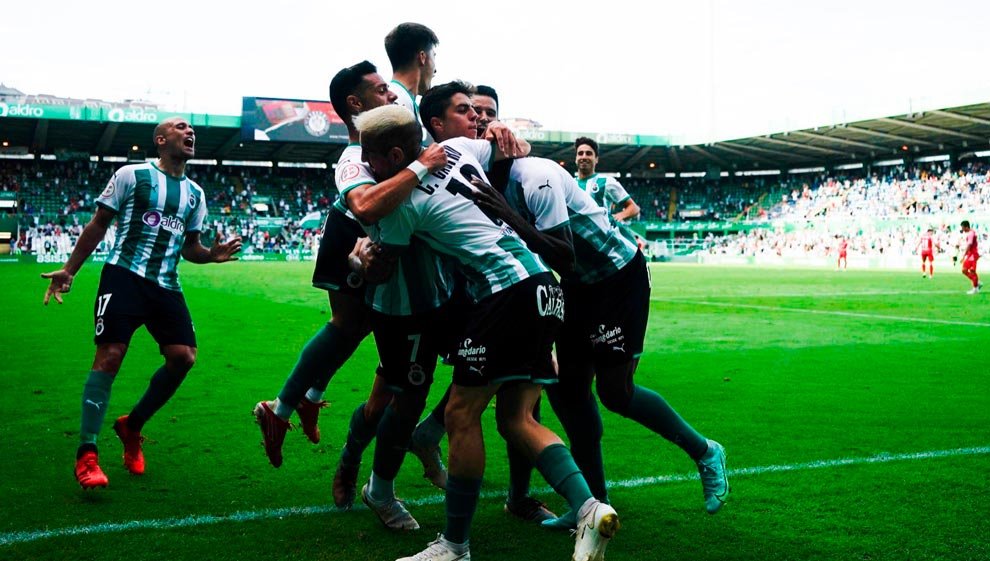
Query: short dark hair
x=487 y=91
x=347 y=82
x=405 y=41
x=964 y=224
x=588 y=141
x=436 y=100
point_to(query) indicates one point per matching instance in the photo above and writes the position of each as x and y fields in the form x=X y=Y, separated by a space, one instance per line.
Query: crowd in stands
x=57 y=197
x=897 y=191
x=910 y=199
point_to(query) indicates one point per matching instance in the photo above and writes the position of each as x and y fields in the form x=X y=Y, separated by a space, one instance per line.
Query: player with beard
x=160 y=213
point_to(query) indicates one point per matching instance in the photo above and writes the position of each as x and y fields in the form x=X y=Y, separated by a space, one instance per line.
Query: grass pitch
x=791 y=369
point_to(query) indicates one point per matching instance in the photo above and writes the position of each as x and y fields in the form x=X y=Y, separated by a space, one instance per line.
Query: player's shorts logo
x=354 y=280
x=152 y=218
x=349 y=172
x=550 y=301
x=608 y=336
x=416 y=375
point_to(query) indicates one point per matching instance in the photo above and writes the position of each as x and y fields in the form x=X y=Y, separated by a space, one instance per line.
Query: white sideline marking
x=822 y=312
x=272 y=513
x=841 y=294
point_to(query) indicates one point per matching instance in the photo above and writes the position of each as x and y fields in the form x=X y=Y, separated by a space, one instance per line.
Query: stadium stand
x=876 y=181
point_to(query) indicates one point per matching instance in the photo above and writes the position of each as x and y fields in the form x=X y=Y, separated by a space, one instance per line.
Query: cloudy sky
x=701 y=70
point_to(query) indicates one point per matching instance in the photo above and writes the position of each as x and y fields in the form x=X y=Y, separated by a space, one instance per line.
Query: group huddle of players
x=448 y=243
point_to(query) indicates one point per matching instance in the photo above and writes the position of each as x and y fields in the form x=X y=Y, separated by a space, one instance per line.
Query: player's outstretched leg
x=648 y=408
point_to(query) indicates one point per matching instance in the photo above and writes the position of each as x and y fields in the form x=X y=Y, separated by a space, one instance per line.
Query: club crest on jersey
x=349 y=172
x=193 y=200
x=109 y=190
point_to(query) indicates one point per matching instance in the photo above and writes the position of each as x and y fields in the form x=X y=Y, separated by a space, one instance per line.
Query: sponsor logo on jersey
x=172 y=224
x=550 y=301
x=544 y=186
x=152 y=218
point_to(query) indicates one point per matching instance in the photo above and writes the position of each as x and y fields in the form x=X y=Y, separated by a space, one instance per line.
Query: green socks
x=647 y=408
x=95 y=401
x=557 y=466
x=462 y=499
x=161 y=389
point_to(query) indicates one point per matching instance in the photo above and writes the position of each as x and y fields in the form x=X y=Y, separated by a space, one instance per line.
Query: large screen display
x=291 y=120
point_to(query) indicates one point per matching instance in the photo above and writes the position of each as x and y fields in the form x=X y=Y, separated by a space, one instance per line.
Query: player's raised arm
x=92 y=235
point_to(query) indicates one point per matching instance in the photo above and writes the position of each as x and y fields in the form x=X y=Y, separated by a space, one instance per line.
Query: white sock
x=381 y=490
x=314 y=395
x=281 y=410
x=458 y=548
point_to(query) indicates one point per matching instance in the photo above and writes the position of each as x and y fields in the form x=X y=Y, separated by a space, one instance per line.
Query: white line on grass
x=279 y=513
x=842 y=294
x=821 y=312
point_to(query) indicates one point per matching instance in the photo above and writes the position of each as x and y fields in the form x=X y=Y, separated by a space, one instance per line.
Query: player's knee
x=409 y=405
x=614 y=396
x=459 y=417
x=180 y=359
x=109 y=358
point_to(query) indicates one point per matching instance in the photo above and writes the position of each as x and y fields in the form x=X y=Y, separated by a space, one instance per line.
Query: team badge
x=109 y=190
x=416 y=375
x=354 y=280
x=193 y=200
x=349 y=172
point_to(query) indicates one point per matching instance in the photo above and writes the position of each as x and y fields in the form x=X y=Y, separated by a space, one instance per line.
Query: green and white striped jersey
x=154 y=212
x=408 y=100
x=441 y=211
x=422 y=280
x=605 y=190
x=540 y=190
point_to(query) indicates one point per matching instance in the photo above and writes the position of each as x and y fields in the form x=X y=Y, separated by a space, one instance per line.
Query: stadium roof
x=954 y=131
